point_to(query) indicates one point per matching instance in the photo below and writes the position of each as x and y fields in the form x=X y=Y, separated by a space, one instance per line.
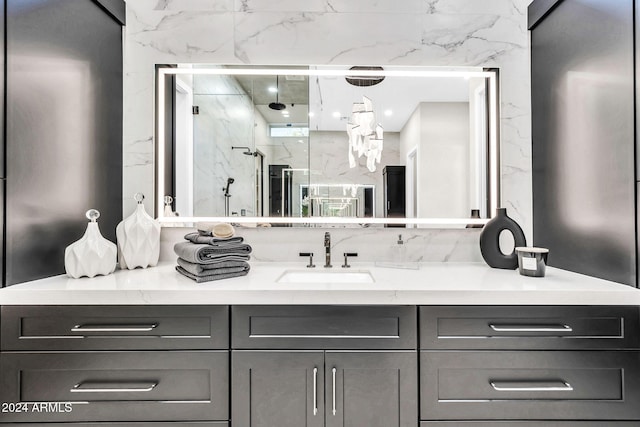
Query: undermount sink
x=326 y=276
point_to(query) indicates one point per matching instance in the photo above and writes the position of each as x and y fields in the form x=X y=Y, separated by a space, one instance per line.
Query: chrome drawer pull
x=530 y=328
x=114 y=328
x=531 y=385
x=333 y=371
x=107 y=387
x=315 y=392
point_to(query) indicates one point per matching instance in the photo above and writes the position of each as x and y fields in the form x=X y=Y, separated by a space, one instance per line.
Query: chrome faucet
x=327 y=249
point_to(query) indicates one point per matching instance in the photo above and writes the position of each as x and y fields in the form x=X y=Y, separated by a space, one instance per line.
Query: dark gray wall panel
x=116 y=8
x=64 y=130
x=539 y=9
x=583 y=138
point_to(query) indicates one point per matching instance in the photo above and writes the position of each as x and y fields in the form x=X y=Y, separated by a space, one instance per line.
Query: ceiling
x=319 y=99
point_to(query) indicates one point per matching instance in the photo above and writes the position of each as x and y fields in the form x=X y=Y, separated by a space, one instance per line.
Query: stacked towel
x=204 y=258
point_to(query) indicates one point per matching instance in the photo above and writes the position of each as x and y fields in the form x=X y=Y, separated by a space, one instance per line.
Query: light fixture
x=336 y=114
x=388 y=113
x=272 y=89
x=366 y=137
x=277 y=105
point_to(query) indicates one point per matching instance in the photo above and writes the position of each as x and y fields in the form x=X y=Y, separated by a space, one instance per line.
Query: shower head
x=278 y=106
x=247 y=151
x=230 y=181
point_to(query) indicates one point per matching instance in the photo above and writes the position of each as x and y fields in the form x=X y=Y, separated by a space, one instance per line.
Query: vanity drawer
x=533 y=385
x=528 y=424
x=326 y=327
x=56 y=328
x=155 y=424
x=529 y=327
x=118 y=386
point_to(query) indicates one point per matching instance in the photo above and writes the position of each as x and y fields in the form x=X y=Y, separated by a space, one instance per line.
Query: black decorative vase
x=490 y=241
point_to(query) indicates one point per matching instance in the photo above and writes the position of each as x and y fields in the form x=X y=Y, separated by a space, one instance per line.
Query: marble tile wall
x=488 y=33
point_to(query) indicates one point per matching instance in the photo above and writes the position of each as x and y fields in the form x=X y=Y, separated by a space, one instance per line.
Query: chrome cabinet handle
x=114 y=328
x=530 y=328
x=333 y=371
x=113 y=387
x=531 y=385
x=315 y=391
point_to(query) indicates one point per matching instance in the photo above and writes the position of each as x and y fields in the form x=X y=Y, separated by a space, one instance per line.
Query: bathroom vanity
x=445 y=345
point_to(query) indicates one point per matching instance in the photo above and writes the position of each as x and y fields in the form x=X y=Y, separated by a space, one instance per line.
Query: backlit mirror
x=317 y=145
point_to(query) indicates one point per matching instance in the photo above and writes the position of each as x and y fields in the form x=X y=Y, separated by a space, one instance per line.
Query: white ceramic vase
x=92 y=255
x=138 y=239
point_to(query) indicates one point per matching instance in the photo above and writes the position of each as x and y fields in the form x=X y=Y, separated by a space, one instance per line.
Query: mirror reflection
x=326 y=142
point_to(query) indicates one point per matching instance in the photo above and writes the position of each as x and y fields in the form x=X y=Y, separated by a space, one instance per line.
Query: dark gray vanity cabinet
x=372 y=388
x=123 y=364
x=277 y=388
x=528 y=424
x=324 y=366
x=578 y=364
x=133 y=424
x=315 y=388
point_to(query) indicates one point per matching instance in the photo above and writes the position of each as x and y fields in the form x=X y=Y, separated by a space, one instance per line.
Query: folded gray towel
x=197 y=237
x=230 y=264
x=207 y=254
x=211 y=277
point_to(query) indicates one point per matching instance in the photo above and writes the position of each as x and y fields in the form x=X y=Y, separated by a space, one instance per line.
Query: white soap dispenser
x=92 y=255
x=138 y=238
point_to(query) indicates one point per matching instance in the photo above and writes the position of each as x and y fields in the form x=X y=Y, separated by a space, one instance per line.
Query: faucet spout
x=327 y=250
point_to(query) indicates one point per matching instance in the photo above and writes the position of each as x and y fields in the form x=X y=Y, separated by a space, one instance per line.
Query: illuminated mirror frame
x=493 y=138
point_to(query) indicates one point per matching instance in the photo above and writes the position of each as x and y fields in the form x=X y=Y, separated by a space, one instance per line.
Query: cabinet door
x=373 y=389
x=273 y=388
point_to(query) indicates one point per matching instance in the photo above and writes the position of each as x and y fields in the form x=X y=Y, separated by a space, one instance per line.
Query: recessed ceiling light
x=336 y=114
x=388 y=113
x=272 y=89
x=311 y=114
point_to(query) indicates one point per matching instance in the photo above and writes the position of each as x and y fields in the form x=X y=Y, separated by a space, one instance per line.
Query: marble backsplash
x=372 y=244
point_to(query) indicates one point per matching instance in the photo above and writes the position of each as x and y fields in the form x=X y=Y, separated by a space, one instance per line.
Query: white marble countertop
x=431 y=284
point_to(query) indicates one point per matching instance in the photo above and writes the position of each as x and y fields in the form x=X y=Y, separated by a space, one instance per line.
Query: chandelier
x=366 y=136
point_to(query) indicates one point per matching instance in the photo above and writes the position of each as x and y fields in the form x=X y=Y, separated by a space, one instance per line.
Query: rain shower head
x=278 y=106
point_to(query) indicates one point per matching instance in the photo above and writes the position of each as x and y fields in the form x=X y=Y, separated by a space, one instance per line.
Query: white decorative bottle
x=138 y=238
x=92 y=255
